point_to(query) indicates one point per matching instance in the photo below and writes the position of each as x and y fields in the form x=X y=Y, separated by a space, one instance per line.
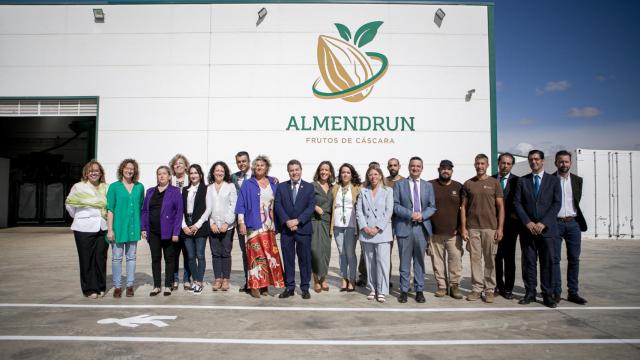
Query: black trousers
x=93 y=268
x=159 y=247
x=506 y=257
x=537 y=248
x=243 y=249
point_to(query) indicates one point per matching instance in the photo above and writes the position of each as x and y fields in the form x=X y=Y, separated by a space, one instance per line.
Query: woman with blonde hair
x=87 y=205
x=180 y=179
x=374 y=209
x=256 y=220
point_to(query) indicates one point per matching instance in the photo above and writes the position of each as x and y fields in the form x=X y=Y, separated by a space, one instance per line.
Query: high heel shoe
x=255 y=293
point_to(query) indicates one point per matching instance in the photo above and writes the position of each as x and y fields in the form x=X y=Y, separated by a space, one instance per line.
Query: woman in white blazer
x=373 y=211
x=221 y=201
x=87 y=205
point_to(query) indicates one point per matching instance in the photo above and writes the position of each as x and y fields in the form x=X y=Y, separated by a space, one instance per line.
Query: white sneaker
x=197 y=289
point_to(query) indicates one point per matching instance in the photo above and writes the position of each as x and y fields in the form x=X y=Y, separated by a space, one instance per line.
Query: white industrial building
x=209 y=79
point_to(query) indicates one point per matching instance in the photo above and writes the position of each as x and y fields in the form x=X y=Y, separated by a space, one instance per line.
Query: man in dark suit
x=537 y=200
x=295 y=202
x=243 y=162
x=506 y=255
x=571 y=223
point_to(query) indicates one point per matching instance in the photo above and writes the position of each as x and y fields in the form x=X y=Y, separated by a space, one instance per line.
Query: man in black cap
x=446 y=241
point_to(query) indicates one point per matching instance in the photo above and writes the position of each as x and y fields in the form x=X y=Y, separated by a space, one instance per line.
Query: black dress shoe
x=420 y=297
x=557 y=298
x=287 y=293
x=527 y=299
x=306 y=295
x=507 y=295
x=361 y=282
x=549 y=302
x=575 y=298
x=402 y=298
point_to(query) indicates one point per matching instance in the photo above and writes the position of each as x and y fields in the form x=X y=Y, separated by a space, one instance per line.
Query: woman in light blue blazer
x=373 y=212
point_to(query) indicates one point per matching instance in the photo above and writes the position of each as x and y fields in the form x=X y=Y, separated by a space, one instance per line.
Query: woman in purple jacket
x=161 y=220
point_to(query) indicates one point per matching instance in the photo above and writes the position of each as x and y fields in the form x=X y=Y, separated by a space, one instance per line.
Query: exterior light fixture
x=98 y=15
x=439 y=16
x=261 y=15
x=467 y=98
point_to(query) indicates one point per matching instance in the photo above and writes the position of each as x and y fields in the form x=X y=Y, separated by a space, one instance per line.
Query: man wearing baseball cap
x=446 y=243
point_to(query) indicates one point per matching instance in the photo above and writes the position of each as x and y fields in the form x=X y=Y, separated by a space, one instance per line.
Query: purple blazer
x=249 y=202
x=170 y=212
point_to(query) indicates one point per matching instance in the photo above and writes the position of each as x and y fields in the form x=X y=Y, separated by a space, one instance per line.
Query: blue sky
x=567 y=74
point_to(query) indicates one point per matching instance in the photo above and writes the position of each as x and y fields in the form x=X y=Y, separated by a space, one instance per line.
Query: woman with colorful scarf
x=87 y=205
x=254 y=208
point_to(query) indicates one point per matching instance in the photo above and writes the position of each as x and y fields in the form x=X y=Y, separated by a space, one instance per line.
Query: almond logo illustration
x=346 y=72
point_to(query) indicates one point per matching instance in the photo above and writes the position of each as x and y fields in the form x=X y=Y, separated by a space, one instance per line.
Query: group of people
x=433 y=217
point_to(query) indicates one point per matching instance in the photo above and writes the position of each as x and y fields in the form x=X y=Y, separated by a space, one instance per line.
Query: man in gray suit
x=413 y=205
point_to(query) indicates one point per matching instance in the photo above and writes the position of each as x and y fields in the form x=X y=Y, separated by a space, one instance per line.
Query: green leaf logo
x=344 y=32
x=366 y=33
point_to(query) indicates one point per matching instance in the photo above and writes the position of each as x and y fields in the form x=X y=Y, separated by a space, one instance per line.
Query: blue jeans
x=117 y=250
x=570 y=231
x=346 y=242
x=195 y=250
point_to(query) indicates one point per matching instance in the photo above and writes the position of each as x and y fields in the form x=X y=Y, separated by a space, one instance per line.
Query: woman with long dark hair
x=221 y=200
x=343 y=223
x=195 y=225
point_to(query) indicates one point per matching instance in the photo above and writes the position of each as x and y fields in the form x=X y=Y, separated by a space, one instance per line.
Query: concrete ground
x=44 y=315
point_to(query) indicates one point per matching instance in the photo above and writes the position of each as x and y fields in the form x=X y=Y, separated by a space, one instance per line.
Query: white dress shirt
x=567 y=209
x=344 y=209
x=191 y=199
x=244 y=177
x=86 y=219
x=222 y=204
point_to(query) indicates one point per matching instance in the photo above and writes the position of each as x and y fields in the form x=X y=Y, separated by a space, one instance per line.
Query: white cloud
x=584 y=112
x=603 y=136
x=603 y=78
x=554 y=86
x=525 y=122
x=522 y=148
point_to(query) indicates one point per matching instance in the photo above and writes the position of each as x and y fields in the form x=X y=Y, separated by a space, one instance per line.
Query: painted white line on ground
x=321 y=342
x=324 y=309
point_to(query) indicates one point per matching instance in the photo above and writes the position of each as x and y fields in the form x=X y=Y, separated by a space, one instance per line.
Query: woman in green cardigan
x=124 y=203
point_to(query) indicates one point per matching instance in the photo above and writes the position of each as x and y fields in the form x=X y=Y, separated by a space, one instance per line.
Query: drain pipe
x=617 y=198
x=610 y=195
x=631 y=180
x=595 y=196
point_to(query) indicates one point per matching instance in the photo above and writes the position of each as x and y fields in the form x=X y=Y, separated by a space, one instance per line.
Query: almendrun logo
x=346 y=71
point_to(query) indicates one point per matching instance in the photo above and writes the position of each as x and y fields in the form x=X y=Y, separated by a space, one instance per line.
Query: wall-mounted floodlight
x=261 y=15
x=439 y=16
x=467 y=98
x=98 y=15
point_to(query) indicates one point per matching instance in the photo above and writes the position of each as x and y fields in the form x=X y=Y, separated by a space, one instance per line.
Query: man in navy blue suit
x=537 y=201
x=295 y=202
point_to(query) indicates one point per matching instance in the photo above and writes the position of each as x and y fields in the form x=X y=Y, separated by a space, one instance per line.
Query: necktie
x=416 y=198
x=536 y=183
x=295 y=191
x=503 y=182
